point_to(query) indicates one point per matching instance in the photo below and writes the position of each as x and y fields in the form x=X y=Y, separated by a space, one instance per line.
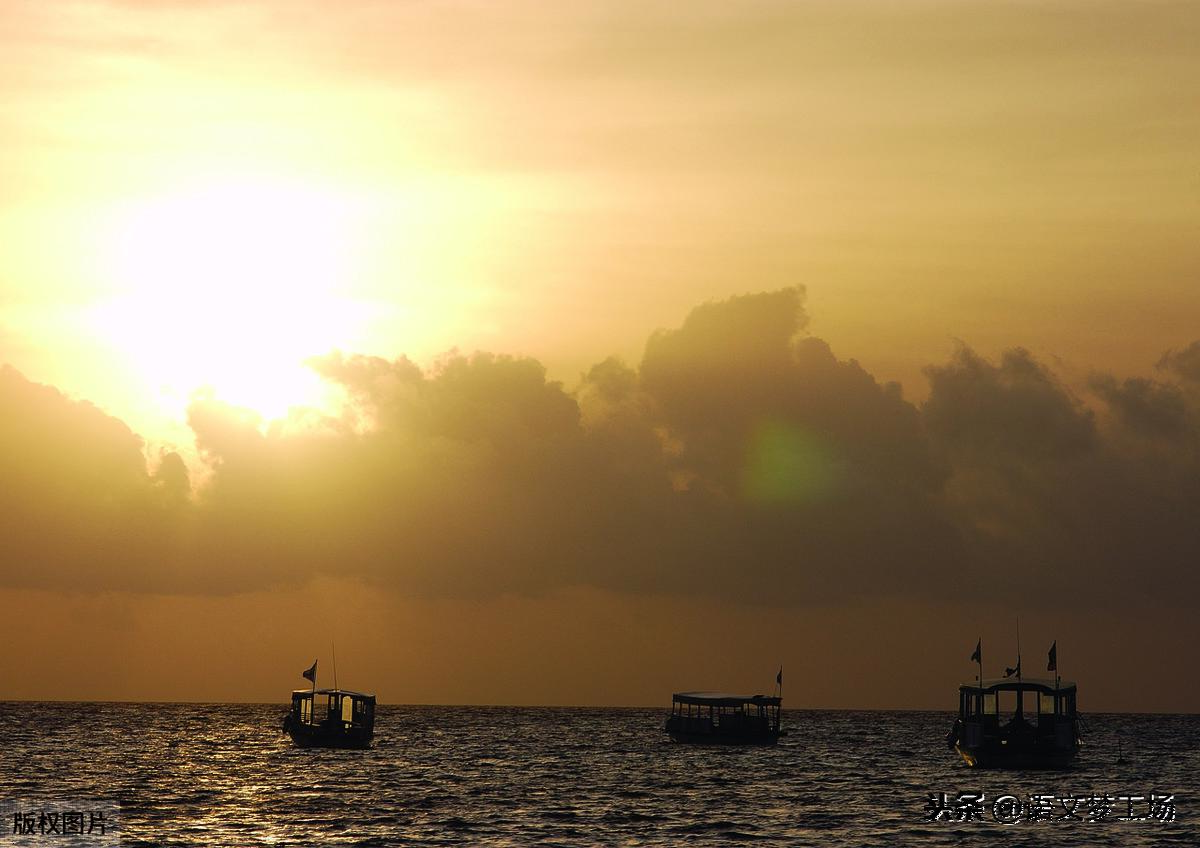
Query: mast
x=1020 y=692
x=1053 y=663
x=979 y=679
x=1018 y=649
x=779 y=706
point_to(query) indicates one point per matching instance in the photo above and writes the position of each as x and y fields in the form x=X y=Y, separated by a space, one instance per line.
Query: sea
x=225 y=775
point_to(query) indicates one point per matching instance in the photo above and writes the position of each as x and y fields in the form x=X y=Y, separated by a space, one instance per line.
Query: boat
x=1050 y=740
x=331 y=718
x=1041 y=732
x=719 y=718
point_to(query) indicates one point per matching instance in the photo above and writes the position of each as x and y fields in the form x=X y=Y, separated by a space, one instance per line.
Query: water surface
x=207 y=774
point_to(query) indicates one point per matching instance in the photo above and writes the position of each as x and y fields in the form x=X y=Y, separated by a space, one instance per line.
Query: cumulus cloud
x=78 y=507
x=1147 y=408
x=1183 y=363
x=740 y=458
x=1050 y=502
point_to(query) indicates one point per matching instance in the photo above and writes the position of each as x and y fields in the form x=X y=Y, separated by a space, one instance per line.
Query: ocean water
x=208 y=774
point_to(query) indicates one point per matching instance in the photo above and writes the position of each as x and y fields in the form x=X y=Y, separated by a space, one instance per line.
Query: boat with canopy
x=330 y=718
x=1015 y=721
x=721 y=718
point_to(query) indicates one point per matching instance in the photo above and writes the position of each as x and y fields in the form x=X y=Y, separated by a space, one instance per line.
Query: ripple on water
x=224 y=775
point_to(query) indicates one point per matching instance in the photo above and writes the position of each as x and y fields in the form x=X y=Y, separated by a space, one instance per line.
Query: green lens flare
x=787 y=464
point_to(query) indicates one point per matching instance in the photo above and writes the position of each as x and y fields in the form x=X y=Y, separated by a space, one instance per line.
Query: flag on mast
x=978 y=655
x=779 y=677
x=311 y=674
x=1009 y=672
x=1052 y=662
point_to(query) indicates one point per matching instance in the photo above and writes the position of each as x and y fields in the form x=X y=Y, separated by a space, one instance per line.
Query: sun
x=229 y=285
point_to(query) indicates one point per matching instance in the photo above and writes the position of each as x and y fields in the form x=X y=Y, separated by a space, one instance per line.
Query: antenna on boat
x=1018 y=650
x=333 y=651
x=1052 y=662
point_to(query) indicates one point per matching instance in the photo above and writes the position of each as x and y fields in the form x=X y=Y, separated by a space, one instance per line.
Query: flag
x=311 y=674
x=1052 y=663
x=977 y=657
x=1009 y=672
x=779 y=677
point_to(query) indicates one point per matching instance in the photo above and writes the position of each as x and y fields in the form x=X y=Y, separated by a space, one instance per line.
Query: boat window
x=1014 y=703
x=347 y=709
x=306 y=710
x=1046 y=704
x=989 y=703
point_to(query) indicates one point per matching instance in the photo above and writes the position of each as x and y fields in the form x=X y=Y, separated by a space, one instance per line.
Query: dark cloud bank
x=740 y=459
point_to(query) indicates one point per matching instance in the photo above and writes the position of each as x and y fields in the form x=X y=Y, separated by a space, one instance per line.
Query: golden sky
x=593 y=332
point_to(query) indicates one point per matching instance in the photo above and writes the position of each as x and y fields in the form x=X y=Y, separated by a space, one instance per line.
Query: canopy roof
x=1012 y=684
x=724 y=699
x=296 y=693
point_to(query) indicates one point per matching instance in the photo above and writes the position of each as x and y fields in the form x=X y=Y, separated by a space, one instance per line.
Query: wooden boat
x=331 y=718
x=1041 y=732
x=718 y=718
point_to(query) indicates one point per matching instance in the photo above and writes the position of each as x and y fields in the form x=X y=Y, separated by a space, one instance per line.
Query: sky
x=581 y=353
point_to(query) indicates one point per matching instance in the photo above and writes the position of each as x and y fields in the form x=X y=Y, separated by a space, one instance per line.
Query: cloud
x=739 y=459
x=1060 y=501
x=1183 y=363
x=78 y=508
x=1146 y=408
x=1014 y=412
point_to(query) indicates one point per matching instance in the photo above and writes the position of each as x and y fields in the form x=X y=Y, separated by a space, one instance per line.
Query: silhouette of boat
x=331 y=718
x=718 y=718
x=1050 y=740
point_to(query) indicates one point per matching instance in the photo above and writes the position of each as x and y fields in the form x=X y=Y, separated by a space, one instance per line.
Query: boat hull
x=326 y=736
x=722 y=739
x=703 y=732
x=1016 y=756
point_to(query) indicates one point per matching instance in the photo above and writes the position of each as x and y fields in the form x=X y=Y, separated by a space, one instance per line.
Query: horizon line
x=561 y=706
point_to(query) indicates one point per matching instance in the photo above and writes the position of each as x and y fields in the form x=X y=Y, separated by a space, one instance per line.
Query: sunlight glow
x=231 y=286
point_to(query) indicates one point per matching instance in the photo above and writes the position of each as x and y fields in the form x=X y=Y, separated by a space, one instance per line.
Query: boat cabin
x=331 y=718
x=1016 y=722
x=722 y=718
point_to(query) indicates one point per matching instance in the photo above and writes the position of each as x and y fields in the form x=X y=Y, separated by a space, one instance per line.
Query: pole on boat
x=979 y=659
x=1020 y=692
x=333 y=651
x=779 y=705
x=1052 y=664
x=1018 y=649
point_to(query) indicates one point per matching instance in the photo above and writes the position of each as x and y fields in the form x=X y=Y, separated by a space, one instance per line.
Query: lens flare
x=786 y=464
